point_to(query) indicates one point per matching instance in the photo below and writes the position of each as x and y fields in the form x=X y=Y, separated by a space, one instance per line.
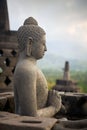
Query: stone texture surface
x=4 y=20
x=75 y=105
x=7 y=101
x=71 y=125
x=8 y=50
x=30 y=84
x=10 y=121
x=8 y=59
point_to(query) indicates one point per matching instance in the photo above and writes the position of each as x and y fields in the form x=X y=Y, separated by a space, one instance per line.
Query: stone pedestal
x=10 y=121
x=75 y=105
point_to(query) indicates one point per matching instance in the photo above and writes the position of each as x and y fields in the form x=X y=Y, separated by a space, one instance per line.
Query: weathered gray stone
x=71 y=125
x=30 y=86
x=75 y=105
x=3 y=101
x=4 y=22
x=10 y=121
x=8 y=50
x=7 y=101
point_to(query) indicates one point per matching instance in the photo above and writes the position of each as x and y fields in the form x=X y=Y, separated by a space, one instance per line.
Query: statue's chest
x=42 y=90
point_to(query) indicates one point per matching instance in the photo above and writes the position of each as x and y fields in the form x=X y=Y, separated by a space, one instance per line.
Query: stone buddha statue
x=31 y=94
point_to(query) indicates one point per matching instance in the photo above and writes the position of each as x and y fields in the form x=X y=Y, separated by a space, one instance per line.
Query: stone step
x=10 y=121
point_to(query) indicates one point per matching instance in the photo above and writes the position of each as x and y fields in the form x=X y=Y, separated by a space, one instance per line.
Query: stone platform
x=10 y=121
x=75 y=105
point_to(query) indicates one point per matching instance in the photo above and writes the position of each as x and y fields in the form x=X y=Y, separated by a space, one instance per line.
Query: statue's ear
x=29 y=46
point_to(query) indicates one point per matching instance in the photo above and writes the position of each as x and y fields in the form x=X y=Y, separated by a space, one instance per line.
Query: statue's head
x=31 y=38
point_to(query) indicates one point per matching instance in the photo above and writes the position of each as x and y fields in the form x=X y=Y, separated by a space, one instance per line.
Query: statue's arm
x=25 y=82
x=54 y=105
x=46 y=112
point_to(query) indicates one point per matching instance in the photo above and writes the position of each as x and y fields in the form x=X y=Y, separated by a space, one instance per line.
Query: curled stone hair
x=29 y=29
x=30 y=21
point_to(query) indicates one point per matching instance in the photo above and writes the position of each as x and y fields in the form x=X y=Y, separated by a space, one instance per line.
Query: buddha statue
x=31 y=94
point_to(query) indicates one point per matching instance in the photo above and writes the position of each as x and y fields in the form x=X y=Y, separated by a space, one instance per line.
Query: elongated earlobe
x=29 y=47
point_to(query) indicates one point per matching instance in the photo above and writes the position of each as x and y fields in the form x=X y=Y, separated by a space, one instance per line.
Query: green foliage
x=79 y=76
x=51 y=76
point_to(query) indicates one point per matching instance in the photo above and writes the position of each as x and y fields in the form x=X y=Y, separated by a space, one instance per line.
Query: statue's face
x=39 y=48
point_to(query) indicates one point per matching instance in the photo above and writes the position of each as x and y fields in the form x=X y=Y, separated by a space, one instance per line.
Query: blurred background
x=65 y=23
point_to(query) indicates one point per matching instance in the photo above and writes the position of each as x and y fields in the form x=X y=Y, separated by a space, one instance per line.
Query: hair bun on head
x=30 y=21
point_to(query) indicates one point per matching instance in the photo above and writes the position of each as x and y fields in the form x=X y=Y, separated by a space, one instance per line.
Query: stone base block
x=75 y=105
x=10 y=121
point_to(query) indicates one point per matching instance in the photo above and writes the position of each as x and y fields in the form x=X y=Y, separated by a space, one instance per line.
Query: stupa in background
x=66 y=84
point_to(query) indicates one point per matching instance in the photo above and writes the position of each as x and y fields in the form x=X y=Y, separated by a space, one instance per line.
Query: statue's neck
x=22 y=56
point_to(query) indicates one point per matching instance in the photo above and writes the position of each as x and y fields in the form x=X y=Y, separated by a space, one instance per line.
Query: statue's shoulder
x=25 y=67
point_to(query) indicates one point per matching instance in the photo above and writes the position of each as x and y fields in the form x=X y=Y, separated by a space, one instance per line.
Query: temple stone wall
x=4 y=20
x=8 y=59
x=8 y=49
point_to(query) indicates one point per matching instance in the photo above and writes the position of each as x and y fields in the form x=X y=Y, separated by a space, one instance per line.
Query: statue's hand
x=54 y=99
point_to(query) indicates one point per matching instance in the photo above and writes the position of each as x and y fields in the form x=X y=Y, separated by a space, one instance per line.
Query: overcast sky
x=65 y=23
